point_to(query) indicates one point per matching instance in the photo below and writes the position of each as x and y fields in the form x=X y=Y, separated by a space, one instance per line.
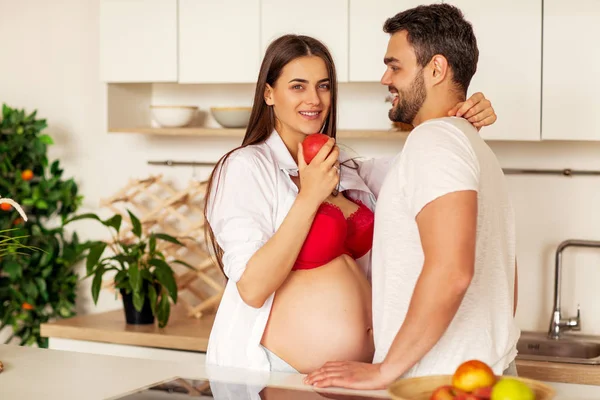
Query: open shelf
x=222 y=132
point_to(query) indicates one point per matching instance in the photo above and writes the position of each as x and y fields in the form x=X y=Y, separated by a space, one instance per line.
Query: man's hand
x=351 y=375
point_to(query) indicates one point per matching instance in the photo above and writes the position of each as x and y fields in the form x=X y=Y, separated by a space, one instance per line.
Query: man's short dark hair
x=439 y=29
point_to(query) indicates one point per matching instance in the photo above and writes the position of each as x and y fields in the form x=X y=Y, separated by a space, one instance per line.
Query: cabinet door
x=138 y=40
x=323 y=20
x=509 y=71
x=570 y=105
x=367 y=41
x=219 y=42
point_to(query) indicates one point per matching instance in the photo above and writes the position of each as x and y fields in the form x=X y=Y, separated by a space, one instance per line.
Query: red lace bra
x=332 y=234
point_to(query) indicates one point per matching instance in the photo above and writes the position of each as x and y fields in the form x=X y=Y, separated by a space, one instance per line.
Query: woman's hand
x=321 y=176
x=476 y=109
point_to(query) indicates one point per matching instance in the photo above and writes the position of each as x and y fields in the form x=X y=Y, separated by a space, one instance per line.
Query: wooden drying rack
x=179 y=213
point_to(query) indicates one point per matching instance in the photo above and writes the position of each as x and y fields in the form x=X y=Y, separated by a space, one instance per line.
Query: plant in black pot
x=142 y=274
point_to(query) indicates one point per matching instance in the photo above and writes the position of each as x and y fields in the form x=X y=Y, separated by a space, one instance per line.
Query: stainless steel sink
x=575 y=349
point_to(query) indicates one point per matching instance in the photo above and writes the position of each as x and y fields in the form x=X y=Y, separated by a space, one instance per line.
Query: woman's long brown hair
x=262 y=119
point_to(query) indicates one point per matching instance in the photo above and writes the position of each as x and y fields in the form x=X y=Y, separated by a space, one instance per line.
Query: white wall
x=49 y=61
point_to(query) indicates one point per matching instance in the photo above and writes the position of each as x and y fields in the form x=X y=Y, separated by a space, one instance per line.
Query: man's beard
x=409 y=101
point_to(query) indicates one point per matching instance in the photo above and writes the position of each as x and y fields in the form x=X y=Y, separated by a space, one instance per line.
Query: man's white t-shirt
x=442 y=156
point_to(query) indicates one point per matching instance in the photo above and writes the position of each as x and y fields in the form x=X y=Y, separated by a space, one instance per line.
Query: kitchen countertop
x=184 y=333
x=181 y=333
x=32 y=373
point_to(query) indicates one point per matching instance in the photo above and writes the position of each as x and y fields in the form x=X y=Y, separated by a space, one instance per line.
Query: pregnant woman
x=294 y=250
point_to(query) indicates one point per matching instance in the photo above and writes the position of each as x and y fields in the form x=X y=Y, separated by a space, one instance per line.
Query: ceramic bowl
x=173 y=116
x=231 y=117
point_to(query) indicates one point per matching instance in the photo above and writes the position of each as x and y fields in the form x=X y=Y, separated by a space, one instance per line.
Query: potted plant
x=142 y=274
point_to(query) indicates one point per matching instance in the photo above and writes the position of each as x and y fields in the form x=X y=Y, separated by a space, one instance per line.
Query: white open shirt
x=254 y=194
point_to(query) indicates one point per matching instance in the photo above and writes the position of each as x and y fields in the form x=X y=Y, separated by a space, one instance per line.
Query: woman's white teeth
x=309 y=113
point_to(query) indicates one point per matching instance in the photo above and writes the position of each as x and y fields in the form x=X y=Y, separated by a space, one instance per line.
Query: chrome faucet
x=557 y=323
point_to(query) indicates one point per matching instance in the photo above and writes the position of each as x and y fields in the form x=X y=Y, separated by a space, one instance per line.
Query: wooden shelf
x=219 y=132
x=181 y=333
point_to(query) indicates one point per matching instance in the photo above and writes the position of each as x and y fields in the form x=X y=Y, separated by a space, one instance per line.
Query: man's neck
x=437 y=106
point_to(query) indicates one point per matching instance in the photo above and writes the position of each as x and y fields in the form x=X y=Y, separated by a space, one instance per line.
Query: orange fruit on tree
x=27 y=175
x=5 y=207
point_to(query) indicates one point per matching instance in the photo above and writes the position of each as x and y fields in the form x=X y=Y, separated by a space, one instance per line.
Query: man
x=444 y=269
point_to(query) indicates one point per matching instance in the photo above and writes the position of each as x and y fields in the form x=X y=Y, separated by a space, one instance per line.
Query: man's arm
x=447 y=228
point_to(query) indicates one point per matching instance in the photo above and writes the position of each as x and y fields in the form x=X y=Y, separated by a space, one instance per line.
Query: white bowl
x=231 y=117
x=173 y=116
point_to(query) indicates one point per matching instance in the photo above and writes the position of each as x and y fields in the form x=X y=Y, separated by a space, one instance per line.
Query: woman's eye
x=297 y=87
x=325 y=86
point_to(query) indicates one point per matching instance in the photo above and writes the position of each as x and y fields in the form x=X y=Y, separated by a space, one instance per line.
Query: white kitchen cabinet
x=367 y=40
x=219 y=42
x=138 y=40
x=509 y=71
x=323 y=20
x=570 y=103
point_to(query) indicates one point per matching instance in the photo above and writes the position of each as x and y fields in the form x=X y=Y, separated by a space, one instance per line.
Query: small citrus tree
x=35 y=286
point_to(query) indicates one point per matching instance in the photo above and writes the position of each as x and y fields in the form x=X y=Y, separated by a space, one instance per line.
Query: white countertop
x=32 y=373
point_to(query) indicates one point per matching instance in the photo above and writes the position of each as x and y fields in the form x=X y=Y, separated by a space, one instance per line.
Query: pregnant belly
x=320 y=315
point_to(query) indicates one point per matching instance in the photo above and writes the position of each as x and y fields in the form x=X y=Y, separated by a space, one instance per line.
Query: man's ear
x=269 y=95
x=439 y=69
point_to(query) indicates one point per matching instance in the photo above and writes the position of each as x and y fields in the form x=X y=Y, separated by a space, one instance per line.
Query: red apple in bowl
x=312 y=144
x=446 y=393
x=472 y=375
x=483 y=393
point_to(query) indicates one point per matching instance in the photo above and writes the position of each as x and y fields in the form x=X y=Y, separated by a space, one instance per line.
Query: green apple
x=511 y=389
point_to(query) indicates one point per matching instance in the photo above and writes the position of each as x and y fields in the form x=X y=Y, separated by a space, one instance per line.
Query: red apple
x=473 y=374
x=466 y=396
x=312 y=144
x=446 y=393
x=484 y=393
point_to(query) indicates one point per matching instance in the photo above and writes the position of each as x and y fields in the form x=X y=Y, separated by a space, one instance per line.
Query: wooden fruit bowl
x=421 y=388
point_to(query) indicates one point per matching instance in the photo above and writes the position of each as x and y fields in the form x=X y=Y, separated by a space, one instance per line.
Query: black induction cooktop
x=192 y=389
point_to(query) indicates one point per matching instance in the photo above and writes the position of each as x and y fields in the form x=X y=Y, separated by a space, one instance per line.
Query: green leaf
x=134 y=278
x=30 y=289
x=28 y=202
x=13 y=269
x=168 y=238
x=120 y=277
x=41 y=284
x=41 y=204
x=137 y=226
x=114 y=222
x=184 y=264
x=138 y=300
x=152 y=297
x=164 y=275
x=164 y=310
x=147 y=275
x=93 y=256
x=152 y=244
x=46 y=139
x=97 y=283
